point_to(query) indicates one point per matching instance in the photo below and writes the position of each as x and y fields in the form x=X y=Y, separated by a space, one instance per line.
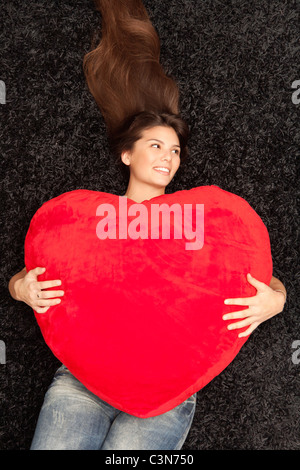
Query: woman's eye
x=175 y=151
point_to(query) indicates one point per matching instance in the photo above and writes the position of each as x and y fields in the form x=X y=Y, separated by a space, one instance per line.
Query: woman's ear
x=125 y=157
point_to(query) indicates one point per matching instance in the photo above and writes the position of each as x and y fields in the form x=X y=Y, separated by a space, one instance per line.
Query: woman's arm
x=277 y=285
x=25 y=287
x=14 y=283
x=268 y=302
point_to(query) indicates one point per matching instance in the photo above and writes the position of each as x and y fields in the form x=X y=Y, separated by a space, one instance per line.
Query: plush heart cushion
x=140 y=324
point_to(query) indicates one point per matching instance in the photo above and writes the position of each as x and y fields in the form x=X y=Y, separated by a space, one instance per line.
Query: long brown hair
x=126 y=78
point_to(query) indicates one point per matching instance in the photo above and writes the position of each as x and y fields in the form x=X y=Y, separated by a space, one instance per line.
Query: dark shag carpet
x=235 y=62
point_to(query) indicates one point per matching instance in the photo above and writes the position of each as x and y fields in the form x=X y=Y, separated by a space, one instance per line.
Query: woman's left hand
x=264 y=305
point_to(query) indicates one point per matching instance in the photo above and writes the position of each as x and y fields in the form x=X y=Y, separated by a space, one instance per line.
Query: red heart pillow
x=140 y=324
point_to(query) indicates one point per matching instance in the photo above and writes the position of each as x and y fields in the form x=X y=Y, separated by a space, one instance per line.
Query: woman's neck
x=140 y=193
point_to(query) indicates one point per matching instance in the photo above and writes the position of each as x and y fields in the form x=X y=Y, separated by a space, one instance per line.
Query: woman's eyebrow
x=160 y=141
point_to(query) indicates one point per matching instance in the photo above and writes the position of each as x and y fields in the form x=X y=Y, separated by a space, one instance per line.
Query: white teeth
x=162 y=169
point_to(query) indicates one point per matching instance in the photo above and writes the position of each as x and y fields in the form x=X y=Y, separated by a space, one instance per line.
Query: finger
x=255 y=282
x=249 y=330
x=50 y=294
x=41 y=309
x=37 y=271
x=240 y=314
x=49 y=284
x=240 y=324
x=239 y=301
x=48 y=303
x=259 y=286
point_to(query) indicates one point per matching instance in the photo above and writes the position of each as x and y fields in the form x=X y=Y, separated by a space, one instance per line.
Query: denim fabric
x=73 y=418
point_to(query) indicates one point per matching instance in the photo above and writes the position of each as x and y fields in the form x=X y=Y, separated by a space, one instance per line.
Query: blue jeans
x=73 y=418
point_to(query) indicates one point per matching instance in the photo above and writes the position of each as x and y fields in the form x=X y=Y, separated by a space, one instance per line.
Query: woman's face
x=155 y=157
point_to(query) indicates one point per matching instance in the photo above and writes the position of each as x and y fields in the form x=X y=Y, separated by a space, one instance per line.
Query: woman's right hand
x=34 y=293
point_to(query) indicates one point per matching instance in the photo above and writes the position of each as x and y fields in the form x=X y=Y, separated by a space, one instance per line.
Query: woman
x=140 y=104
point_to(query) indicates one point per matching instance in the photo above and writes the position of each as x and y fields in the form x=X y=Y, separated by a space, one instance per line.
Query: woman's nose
x=166 y=156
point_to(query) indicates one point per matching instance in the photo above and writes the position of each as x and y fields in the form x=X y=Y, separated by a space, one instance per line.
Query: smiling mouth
x=162 y=170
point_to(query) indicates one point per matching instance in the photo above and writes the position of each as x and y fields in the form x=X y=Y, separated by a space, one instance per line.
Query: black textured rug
x=236 y=63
